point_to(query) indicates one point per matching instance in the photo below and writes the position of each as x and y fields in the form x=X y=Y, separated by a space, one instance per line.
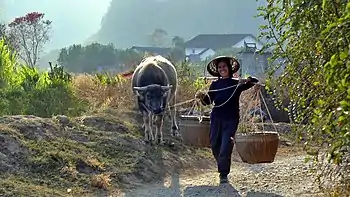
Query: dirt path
x=287 y=176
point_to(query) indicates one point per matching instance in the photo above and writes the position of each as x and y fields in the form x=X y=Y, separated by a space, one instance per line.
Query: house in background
x=253 y=62
x=203 y=46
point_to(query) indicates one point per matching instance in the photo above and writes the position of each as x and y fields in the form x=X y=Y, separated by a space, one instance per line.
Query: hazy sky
x=78 y=19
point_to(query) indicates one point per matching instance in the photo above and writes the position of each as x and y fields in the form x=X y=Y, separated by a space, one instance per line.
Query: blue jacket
x=230 y=109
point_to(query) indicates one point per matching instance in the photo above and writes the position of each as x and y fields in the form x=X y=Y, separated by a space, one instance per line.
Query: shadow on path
x=164 y=186
x=159 y=190
x=224 y=190
x=262 y=194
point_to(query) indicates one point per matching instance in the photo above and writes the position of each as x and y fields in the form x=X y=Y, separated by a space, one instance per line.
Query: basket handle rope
x=259 y=96
x=268 y=111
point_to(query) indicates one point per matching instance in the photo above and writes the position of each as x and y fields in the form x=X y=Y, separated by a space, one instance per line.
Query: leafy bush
x=313 y=39
x=24 y=90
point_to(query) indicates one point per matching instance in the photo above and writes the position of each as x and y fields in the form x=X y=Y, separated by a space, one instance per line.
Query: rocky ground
x=289 y=175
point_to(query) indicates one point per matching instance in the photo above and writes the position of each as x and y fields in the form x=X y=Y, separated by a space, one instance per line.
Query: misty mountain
x=130 y=22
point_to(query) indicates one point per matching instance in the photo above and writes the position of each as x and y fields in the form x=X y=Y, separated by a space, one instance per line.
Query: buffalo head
x=154 y=97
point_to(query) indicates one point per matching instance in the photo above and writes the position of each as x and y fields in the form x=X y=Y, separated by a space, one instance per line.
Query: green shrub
x=25 y=90
x=313 y=39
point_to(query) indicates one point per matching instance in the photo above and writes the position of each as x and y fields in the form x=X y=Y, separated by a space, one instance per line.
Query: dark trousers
x=221 y=132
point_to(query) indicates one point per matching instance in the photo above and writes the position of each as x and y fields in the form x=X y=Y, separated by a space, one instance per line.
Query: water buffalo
x=154 y=81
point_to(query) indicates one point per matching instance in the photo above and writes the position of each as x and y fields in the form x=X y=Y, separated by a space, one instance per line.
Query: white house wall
x=207 y=54
x=248 y=39
x=254 y=64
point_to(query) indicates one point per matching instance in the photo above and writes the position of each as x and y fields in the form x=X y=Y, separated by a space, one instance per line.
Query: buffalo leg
x=159 y=129
x=150 y=124
x=147 y=121
x=174 y=127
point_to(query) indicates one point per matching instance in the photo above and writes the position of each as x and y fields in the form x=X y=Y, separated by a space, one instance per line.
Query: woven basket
x=193 y=132
x=257 y=147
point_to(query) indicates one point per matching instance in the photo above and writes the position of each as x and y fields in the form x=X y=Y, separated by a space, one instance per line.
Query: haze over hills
x=73 y=21
x=129 y=22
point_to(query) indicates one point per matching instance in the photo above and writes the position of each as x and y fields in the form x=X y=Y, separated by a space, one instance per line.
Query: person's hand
x=242 y=81
x=200 y=95
x=253 y=79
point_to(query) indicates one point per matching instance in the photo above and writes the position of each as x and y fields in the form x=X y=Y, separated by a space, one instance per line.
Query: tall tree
x=178 y=42
x=72 y=57
x=2 y=30
x=31 y=33
x=8 y=39
x=177 y=52
x=78 y=58
x=158 y=37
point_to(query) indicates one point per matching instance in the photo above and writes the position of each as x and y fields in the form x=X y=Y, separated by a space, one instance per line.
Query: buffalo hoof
x=160 y=142
x=171 y=144
x=149 y=142
x=175 y=134
x=159 y=139
x=168 y=143
x=146 y=141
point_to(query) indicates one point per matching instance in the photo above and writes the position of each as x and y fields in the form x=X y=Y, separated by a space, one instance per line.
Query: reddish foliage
x=30 y=18
x=30 y=33
x=127 y=74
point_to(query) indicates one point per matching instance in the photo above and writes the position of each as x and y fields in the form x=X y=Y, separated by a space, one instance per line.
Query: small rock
x=62 y=119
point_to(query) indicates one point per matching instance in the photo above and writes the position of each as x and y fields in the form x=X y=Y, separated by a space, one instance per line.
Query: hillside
x=128 y=23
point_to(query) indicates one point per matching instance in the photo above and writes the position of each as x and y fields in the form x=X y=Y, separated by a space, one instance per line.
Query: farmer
x=224 y=117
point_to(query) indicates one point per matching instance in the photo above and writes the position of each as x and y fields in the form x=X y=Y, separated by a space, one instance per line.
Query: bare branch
x=31 y=33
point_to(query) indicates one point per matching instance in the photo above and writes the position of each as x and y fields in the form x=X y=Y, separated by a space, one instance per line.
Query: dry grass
x=119 y=94
x=249 y=100
x=339 y=191
x=187 y=90
x=102 y=181
x=71 y=171
x=100 y=96
x=94 y=163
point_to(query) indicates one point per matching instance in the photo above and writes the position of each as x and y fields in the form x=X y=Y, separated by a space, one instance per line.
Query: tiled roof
x=215 y=41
